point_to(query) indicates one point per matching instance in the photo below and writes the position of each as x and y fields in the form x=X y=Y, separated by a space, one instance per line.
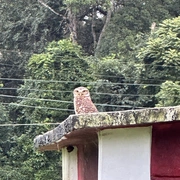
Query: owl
x=82 y=101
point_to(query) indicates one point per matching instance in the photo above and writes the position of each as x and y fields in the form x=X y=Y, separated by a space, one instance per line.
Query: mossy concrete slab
x=80 y=128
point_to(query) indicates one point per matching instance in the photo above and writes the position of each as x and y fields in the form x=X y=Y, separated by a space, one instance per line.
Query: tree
x=88 y=20
x=46 y=97
x=131 y=80
x=5 y=133
x=53 y=75
x=116 y=87
x=25 y=28
x=131 y=19
x=169 y=94
x=125 y=69
x=161 y=57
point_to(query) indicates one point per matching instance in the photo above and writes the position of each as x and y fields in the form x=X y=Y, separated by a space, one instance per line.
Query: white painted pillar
x=124 y=154
x=69 y=164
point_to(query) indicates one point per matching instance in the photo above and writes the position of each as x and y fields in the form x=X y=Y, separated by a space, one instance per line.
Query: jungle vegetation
x=126 y=52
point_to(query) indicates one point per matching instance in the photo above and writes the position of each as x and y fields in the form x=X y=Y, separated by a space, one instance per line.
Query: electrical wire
x=122 y=78
x=120 y=106
x=95 y=93
x=15 y=51
x=8 y=65
x=39 y=107
x=33 y=124
x=59 y=109
x=80 y=82
x=134 y=95
x=69 y=102
x=41 y=99
x=39 y=90
x=52 y=100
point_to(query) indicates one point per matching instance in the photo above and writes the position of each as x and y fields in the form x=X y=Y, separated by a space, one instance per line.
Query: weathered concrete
x=75 y=128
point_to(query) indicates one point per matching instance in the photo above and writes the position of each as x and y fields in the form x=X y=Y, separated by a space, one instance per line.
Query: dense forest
x=127 y=52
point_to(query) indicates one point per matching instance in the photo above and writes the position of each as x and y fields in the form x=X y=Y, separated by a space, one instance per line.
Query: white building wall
x=124 y=154
x=69 y=164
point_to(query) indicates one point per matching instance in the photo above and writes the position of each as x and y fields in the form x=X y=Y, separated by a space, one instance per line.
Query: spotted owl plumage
x=82 y=101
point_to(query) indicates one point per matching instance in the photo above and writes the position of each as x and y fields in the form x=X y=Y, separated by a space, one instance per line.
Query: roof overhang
x=77 y=129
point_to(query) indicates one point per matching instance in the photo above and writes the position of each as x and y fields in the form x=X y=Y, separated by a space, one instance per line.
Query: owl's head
x=81 y=92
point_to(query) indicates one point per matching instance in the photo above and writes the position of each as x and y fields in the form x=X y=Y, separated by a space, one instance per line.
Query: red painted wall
x=88 y=161
x=165 y=158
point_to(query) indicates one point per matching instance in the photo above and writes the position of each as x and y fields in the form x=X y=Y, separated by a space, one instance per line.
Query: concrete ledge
x=76 y=129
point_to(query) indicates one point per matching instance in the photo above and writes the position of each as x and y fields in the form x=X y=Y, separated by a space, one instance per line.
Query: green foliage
x=5 y=132
x=77 y=5
x=25 y=28
x=132 y=18
x=27 y=25
x=70 y=2
x=160 y=57
x=169 y=94
x=60 y=69
x=34 y=165
x=136 y=68
x=161 y=53
x=116 y=84
x=45 y=97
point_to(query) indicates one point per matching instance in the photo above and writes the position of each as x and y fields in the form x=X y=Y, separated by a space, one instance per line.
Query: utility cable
x=51 y=100
x=33 y=124
x=80 y=82
x=94 y=93
x=38 y=107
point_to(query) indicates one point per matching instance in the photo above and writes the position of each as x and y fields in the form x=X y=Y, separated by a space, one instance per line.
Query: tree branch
x=47 y=6
x=108 y=17
x=92 y=29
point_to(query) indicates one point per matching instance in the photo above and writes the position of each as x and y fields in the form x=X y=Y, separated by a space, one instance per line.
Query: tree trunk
x=108 y=18
x=92 y=29
x=72 y=25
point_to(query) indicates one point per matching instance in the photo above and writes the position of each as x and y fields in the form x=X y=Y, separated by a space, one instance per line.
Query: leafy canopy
x=160 y=58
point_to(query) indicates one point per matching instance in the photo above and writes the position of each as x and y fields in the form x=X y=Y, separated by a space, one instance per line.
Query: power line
x=59 y=109
x=100 y=75
x=51 y=100
x=39 y=107
x=6 y=88
x=39 y=90
x=33 y=124
x=138 y=95
x=120 y=106
x=98 y=93
x=8 y=64
x=129 y=77
x=122 y=78
x=16 y=51
x=80 y=82
x=70 y=102
x=13 y=79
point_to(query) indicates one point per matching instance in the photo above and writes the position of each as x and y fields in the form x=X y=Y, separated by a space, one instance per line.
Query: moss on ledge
x=86 y=124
